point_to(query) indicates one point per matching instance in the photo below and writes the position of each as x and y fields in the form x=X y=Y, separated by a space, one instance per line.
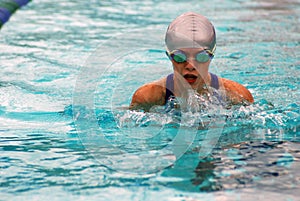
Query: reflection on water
x=45 y=44
x=255 y=165
x=258 y=144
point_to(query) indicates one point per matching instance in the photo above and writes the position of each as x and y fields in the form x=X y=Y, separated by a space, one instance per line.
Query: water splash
x=260 y=115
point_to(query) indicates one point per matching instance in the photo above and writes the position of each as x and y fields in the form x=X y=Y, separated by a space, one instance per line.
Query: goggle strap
x=168 y=55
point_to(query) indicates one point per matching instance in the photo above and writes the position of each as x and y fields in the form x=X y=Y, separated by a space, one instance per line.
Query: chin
x=193 y=85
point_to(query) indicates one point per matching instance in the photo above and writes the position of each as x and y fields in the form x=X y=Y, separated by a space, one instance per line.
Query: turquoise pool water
x=68 y=68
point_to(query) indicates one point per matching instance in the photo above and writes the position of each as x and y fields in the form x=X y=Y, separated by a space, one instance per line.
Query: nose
x=190 y=64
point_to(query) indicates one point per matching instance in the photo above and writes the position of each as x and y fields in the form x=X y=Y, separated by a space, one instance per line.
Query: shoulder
x=150 y=94
x=236 y=92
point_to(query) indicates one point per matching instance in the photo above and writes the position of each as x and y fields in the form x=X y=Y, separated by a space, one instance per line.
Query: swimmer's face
x=193 y=71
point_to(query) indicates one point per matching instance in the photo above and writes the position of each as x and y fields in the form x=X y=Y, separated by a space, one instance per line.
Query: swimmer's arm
x=236 y=93
x=147 y=96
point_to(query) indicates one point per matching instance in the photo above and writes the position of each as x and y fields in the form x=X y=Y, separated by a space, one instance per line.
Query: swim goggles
x=180 y=56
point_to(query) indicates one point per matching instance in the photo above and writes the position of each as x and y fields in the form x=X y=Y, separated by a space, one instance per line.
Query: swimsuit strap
x=214 y=82
x=169 y=87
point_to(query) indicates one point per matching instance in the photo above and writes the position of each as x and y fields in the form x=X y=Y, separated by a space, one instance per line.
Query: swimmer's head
x=191 y=30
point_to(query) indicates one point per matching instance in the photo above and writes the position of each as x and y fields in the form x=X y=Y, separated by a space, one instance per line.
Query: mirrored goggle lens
x=202 y=57
x=178 y=57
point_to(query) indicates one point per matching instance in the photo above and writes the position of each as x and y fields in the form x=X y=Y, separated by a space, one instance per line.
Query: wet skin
x=196 y=76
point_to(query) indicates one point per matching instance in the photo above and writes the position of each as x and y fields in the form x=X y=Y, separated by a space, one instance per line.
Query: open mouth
x=190 y=78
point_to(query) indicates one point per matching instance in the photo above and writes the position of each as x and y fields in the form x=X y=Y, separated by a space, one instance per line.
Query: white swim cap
x=191 y=30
